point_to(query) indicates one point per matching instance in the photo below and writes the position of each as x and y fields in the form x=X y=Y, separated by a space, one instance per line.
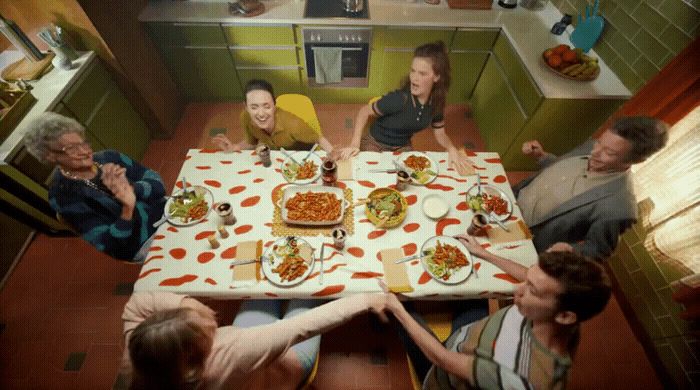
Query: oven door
x=354 y=64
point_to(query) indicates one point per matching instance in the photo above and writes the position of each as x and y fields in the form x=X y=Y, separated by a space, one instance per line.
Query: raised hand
x=533 y=149
x=223 y=143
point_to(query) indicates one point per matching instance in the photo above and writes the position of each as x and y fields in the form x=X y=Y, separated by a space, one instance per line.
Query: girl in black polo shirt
x=400 y=114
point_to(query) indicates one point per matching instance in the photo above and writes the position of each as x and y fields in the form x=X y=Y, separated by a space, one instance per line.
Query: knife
x=310 y=151
x=242 y=262
x=382 y=170
x=320 y=258
x=405 y=259
x=289 y=156
x=495 y=219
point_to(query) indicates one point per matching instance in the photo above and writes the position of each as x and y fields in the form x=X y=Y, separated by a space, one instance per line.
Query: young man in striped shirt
x=526 y=345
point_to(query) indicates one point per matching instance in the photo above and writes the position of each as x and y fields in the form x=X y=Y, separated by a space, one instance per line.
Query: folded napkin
x=344 y=169
x=518 y=231
x=248 y=250
x=395 y=275
x=469 y=170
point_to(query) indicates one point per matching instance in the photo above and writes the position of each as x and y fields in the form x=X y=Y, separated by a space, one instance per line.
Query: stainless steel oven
x=354 y=43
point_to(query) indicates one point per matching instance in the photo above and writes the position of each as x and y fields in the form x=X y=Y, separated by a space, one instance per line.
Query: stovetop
x=332 y=9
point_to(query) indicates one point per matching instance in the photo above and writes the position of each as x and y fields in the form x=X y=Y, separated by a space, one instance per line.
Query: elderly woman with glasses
x=111 y=200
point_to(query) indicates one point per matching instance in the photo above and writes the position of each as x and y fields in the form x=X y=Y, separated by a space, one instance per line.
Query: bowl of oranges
x=571 y=63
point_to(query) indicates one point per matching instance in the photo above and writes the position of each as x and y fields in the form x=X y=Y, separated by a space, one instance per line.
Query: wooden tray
x=590 y=77
x=470 y=4
x=27 y=70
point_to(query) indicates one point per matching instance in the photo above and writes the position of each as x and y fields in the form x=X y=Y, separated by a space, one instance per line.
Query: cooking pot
x=353 y=6
x=508 y=3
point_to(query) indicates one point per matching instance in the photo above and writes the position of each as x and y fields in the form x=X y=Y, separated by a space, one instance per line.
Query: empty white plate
x=434 y=206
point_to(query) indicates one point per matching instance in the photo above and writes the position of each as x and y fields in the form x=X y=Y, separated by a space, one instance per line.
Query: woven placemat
x=280 y=228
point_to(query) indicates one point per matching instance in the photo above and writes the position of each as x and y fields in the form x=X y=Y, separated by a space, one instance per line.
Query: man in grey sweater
x=583 y=200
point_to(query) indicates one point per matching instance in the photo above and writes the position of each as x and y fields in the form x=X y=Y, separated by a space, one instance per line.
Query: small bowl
x=435 y=206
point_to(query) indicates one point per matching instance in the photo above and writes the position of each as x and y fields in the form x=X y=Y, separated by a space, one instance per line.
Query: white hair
x=46 y=129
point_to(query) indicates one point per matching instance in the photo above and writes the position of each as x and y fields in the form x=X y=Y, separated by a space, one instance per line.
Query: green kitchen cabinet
x=204 y=73
x=496 y=108
x=466 y=69
x=264 y=55
x=468 y=54
x=518 y=76
x=412 y=37
x=95 y=142
x=259 y=35
x=284 y=79
x=186 y=34
x=509 y=109
x=480 y=39
x=109 y=118
x=395 y=68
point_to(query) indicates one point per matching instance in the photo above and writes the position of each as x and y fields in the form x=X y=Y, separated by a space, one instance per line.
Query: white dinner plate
x=457 y=276
x=490 y=190
x=299 y=156
x=271 y=260
x=177 y=221
x=420 y=178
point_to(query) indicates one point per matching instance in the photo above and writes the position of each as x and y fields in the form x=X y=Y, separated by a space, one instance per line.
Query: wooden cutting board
x=27 y=70
x=470 y=4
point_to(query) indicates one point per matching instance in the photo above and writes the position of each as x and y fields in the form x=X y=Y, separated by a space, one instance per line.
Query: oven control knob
x=347 y=38
x=359 y=38
x=312 y=37
x=352 y=38
x=318 y=37
x=340 y=38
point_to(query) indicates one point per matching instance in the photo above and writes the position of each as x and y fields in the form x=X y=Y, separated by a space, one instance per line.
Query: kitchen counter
x=48 y=91
x=527 y=30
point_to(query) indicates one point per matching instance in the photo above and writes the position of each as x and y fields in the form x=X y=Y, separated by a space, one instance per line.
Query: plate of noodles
x=314 y=205
x=446 y=259
x=422 y=168
x=306 y=172
x=491 y=199
x=288 y=261
x=190 y=208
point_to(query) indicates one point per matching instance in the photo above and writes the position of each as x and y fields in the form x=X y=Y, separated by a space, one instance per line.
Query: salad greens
x=182 y=204
x=387 y=205
x=423 y=176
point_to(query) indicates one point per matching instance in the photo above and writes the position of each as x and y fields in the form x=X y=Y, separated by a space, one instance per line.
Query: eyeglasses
x=74 y=149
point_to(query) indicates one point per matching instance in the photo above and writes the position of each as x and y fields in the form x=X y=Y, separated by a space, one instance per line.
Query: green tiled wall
x=640 y=36
x=645 y=284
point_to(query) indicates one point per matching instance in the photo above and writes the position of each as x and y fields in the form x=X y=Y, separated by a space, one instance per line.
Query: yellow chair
x=441 y=325
x=312 y=375
x=300 y=106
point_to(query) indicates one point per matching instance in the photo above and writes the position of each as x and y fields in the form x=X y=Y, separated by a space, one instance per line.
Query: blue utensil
x=588 y=30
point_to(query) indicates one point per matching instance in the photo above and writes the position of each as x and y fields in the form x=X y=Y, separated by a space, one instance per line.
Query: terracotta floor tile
x=66 y=321
x=100 y=368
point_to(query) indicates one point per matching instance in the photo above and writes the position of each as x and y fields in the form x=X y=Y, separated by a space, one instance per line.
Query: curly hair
x=646 y=135
x=436 y=52
x=46 y=129
x=585 y=283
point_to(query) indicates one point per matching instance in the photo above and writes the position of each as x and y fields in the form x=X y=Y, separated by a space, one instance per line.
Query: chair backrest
x=300 y=106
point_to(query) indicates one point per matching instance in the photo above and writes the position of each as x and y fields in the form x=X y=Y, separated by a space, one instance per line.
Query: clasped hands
x=114 y=178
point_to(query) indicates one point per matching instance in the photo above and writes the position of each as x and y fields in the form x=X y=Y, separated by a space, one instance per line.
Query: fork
x=310 y=151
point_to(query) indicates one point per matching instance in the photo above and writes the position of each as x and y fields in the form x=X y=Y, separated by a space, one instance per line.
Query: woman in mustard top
x=264 y=123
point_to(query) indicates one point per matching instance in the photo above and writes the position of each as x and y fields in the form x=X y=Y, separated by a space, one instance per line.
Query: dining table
x=183 y=260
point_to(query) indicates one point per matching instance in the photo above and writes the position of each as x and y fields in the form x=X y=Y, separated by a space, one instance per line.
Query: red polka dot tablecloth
x=181 y=258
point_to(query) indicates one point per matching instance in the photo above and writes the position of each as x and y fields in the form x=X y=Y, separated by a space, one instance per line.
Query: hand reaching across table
x=222 y=142
x=459 y=161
